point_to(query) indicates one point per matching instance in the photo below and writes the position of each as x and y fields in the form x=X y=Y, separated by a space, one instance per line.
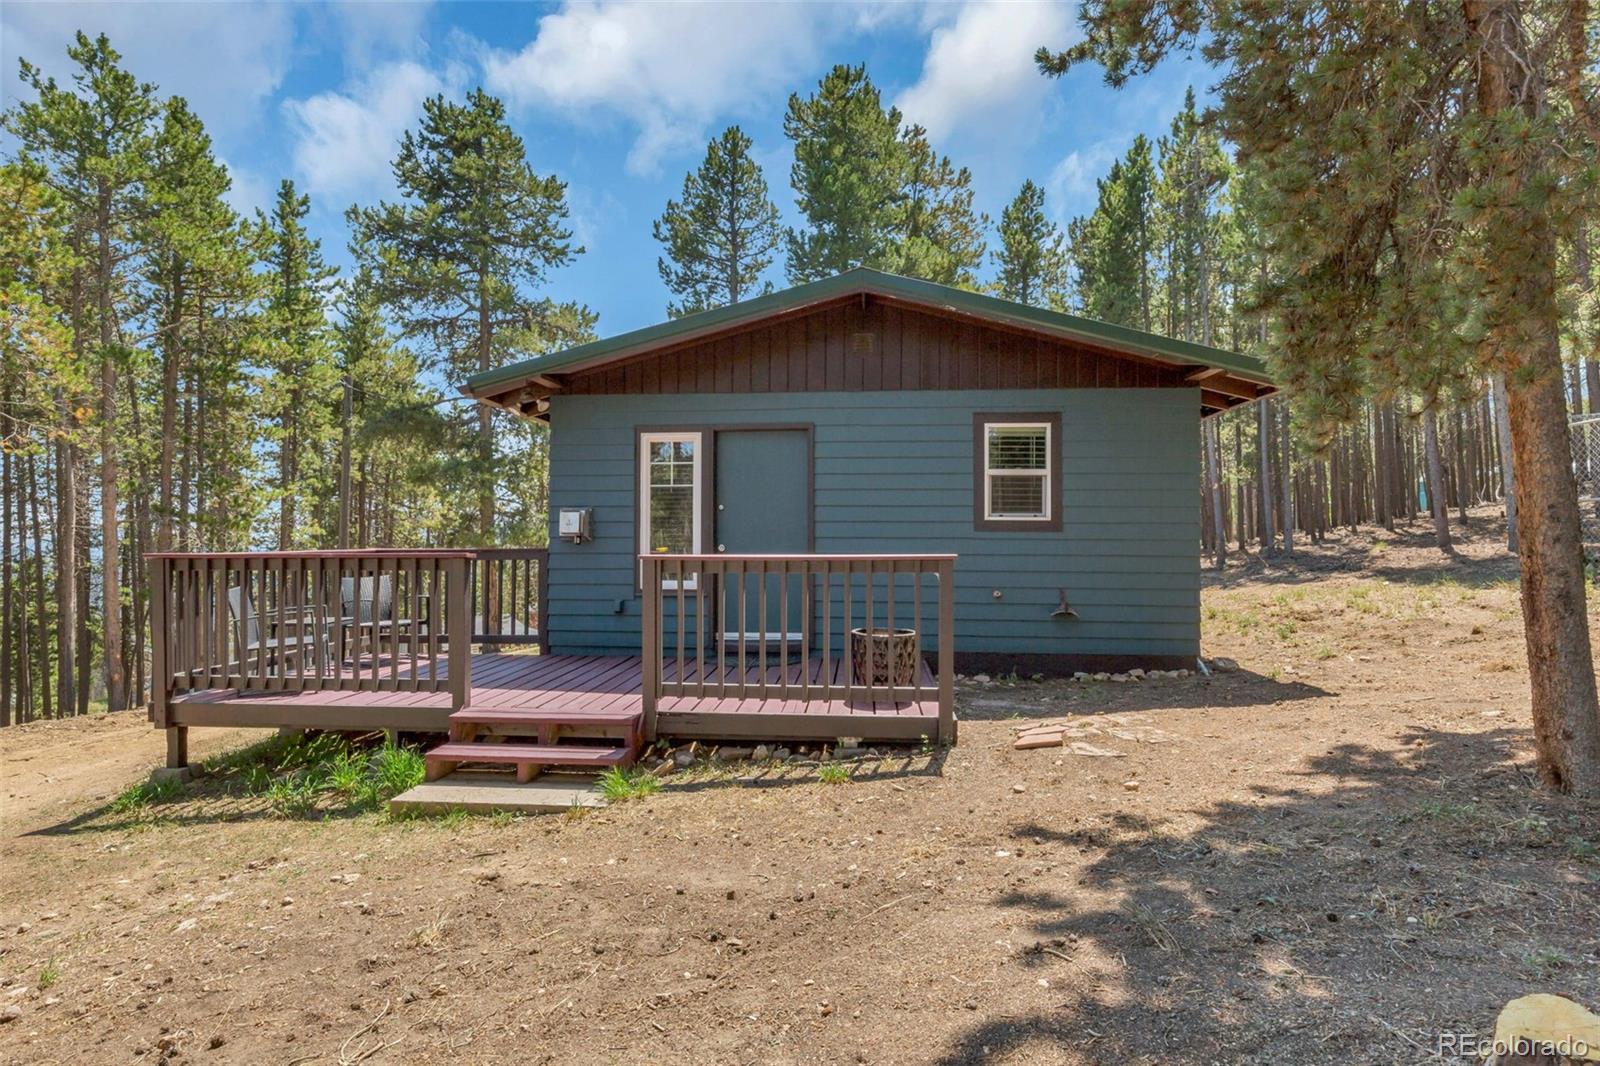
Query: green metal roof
x=874 y=282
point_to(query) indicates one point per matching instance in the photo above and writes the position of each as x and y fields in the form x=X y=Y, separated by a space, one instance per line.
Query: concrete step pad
x=485 y=793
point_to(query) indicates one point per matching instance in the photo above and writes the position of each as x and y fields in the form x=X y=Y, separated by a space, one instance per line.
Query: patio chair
x=278 y=649
x=373 y=615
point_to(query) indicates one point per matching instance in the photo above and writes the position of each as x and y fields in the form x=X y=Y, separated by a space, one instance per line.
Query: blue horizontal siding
x=893 y=473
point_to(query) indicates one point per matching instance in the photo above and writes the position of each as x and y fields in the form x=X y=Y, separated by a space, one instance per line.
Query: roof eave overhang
x=1223 y=385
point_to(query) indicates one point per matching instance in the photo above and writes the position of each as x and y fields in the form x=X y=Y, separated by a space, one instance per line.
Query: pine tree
x=1111 y=248
x=939 y=237
x=196 y=256
x=848 y=177
x=1420 y=164
x=297 y=394
x=1193 y=173
x=95 y=139
x=1032 y=258
x=720 y=237
x=457 y=259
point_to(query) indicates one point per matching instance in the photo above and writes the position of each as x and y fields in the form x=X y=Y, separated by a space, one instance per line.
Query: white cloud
x=979 y=72
x=249 y=192
x=1072 y=180
x=668 y=69
x=344 y=141
x=225 y=59
x=367 y=29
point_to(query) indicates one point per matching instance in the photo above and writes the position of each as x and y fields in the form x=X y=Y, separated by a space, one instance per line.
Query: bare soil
x=1337 y=853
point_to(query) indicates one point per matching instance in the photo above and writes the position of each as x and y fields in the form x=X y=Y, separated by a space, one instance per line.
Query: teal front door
x=763 y=507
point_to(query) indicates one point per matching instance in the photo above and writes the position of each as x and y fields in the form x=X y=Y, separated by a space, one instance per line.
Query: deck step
x=546 y=716
x=531 y=754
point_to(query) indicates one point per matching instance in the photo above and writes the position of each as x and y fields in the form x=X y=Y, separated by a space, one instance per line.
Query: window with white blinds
x=1017 y=471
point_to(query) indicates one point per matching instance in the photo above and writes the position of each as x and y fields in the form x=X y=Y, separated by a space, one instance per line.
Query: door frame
x=709 y=432
x=808 y=606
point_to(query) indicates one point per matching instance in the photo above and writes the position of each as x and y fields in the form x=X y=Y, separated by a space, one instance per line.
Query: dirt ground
x=1336 y=853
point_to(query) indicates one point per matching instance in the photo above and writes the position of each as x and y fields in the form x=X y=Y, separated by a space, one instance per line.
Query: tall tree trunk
x=1437 y=504
x=8 y=662
x=1286 y=477
x=346 y=410
x=85 y=636
x=1508 y=473
x=1219 y=530
x=485 y=427
x=490 y=602
x=1238 y=487
x=43 y=621
x=1269 y=540
x=110 y=551
x=1566 y=712
x=169 y=414
x=66 y=552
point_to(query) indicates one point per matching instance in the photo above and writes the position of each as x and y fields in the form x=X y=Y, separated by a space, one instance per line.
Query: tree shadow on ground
x=1384 y=899
x=896 y=764
x=1054 y=698
x=247 y=784
x=1405 y=556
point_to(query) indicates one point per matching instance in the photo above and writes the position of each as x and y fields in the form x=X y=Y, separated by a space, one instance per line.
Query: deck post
x=541 y=617
x=947 y=651
x=650 y=643
x=458 y=630
x=177 y=747
x=160 y=672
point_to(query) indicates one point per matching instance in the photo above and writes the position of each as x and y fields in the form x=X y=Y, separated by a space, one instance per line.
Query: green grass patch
x=619 y=783
x=833 y=773
x=300 y=775
x=136 y=799
x=49 y=974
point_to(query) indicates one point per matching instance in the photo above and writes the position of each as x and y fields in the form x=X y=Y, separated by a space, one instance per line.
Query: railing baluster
x=947 y=652
x=744 y=658
x=783 y=629
x=917 y=624
x=720 y=631
x=650 y=644
x=847 y=634
x=699 y=630
x=894 y=664
x=872 y=637
x=763 y=621
x=826 y=674
x=376 y=630
x=678 y=590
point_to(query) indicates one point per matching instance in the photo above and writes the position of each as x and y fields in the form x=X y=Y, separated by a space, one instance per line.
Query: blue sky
x=616 y=99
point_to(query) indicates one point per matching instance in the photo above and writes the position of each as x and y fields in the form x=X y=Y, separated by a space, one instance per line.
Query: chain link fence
x=1586 y=465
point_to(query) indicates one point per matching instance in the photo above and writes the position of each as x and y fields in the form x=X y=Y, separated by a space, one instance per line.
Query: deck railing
x=510 y=589
x=793 y=626
x=275 y=621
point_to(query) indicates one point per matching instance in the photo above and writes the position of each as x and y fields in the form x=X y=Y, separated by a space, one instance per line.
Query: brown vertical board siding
x=760 y=360
x=833 y=340
x=794 y=335
x=910 y=350
x=778 y=357
x=816 y=354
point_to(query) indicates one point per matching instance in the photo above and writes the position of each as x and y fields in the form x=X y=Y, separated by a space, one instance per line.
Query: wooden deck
x=579 y=684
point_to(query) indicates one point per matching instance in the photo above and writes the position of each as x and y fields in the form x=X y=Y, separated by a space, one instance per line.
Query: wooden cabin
x=790 y=519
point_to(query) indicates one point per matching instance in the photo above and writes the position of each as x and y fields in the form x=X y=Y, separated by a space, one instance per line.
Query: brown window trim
x=1052 y=480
